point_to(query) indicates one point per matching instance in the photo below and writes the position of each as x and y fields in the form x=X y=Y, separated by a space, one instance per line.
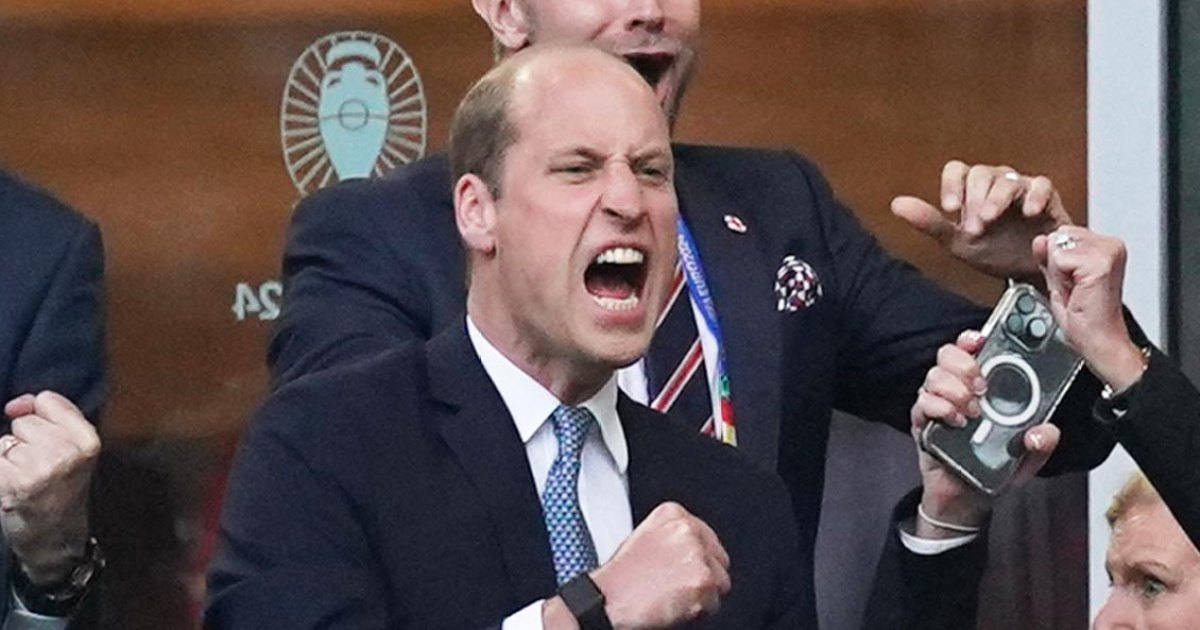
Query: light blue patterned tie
x=570 y=541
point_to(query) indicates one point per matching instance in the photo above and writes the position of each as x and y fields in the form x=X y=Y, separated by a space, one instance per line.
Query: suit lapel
x=649 y=480
x=480 y=432
x=742 y=294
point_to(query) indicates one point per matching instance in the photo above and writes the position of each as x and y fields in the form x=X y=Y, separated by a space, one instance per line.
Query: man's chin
x=623 y=351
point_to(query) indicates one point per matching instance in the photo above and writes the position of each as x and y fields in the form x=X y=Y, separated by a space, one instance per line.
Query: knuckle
x=89 y=445
x=1120 y=251
x=931 y=376
x=672 y=510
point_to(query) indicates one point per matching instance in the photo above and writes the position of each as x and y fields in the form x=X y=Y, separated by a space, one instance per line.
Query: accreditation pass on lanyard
x=693 y=271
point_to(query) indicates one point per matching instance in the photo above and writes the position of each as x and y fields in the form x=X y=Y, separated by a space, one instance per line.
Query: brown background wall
x=159 y=118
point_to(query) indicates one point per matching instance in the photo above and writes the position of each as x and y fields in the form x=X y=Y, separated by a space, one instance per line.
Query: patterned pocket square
x=796 y=285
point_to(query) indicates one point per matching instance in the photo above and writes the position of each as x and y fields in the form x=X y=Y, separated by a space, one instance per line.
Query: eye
x=574 y=171
x=654 y=173
x=572 y=168
x=1150 y=587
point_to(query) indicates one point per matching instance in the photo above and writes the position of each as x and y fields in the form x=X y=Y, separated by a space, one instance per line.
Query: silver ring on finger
x=1065 y=241
x=8 y=443
x=1012 y=176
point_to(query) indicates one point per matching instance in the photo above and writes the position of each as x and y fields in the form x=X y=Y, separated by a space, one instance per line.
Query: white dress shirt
x=603 y=484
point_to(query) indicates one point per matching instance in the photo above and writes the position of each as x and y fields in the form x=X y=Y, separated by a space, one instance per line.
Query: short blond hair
x=1137 y=491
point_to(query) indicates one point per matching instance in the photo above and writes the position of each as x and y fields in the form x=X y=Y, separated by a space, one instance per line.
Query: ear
x=475 y=214
x=508 y=20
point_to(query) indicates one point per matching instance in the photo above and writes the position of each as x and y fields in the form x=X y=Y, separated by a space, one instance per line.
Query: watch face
x=83 y=574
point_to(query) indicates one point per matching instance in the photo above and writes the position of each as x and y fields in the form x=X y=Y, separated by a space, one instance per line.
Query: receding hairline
x=497 y=95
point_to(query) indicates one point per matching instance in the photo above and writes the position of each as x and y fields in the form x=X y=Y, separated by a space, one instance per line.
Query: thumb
x=923 y=216
x=1039 y=442
x=20 y=406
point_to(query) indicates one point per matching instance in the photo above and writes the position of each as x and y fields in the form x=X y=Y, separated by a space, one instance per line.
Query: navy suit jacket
x=51 y=316
x=370 y=264
x=395 y=493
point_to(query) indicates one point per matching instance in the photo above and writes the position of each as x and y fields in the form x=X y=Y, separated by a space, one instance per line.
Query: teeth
x=615 y=304
x=620 y=256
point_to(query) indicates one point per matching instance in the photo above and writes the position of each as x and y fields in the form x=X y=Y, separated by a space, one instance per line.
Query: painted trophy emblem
x=797 y=285
x=353 y=107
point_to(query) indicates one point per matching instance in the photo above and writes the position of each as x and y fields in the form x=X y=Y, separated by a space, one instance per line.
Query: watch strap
x=61 y=599
x=585 y=601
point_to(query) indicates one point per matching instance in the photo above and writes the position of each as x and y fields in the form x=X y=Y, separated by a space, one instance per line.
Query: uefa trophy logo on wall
x=353 y=107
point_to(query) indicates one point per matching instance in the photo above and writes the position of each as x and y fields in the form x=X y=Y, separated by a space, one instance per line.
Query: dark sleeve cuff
x=927 y=592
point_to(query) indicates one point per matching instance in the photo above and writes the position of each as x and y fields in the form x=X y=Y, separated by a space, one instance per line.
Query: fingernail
x=974 y=409
x=949 y=202
x=960 y=420
x=974 y=335
x=979 y=385
x=1037 y=440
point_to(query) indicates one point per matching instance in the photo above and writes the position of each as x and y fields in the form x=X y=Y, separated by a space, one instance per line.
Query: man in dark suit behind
x=814 y=315
x=51 y=340
x=494 y=476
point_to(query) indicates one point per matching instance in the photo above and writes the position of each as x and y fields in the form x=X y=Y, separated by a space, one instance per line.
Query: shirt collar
x=530 y=404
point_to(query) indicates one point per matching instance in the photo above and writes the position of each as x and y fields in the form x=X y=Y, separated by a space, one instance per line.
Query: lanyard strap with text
x=693 y=271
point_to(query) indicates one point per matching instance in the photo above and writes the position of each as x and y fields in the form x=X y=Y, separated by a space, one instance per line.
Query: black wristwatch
x=61 y=599
x=584 y=599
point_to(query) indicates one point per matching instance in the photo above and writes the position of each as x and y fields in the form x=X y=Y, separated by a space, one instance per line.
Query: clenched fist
x=671 y=569
x=46 y=467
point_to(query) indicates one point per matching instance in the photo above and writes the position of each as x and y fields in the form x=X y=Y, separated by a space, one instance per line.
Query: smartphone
x=1028 y=367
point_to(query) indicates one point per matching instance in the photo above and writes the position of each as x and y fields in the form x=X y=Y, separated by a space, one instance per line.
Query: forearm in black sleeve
x=925 y=592
x=1160 y=428
x=347 y=294
x=893 y=320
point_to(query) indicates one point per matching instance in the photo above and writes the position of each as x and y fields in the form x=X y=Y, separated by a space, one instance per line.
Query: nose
x=1120 y=612
x=622 y=195
x=645 y=15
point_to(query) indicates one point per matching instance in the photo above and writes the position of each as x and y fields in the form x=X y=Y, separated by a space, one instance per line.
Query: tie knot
x=571 y=425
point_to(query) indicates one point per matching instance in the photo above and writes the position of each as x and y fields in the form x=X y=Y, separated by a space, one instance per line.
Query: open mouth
x=616 y=277
x=652 y=66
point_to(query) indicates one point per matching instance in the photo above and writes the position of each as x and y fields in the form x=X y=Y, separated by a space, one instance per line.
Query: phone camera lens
x=1038 y=329
x=1014 y=323
x=1025 y=304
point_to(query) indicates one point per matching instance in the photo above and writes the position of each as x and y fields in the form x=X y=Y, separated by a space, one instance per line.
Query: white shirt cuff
x=21 y=618
x=528 y=618
x=930 y=546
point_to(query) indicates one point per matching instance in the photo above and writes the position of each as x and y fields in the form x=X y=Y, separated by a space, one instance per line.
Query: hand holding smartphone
x=1028 y=367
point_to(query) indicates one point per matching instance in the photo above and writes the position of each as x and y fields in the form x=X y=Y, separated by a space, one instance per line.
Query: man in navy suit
x=495 y=475
x=812 y=313
x=51 y=340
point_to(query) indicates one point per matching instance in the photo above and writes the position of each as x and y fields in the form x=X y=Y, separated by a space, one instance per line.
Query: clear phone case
x=1028 y=366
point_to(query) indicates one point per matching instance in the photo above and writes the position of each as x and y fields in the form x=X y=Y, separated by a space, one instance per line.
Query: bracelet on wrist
x=953 y=527
x=1108 y=393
